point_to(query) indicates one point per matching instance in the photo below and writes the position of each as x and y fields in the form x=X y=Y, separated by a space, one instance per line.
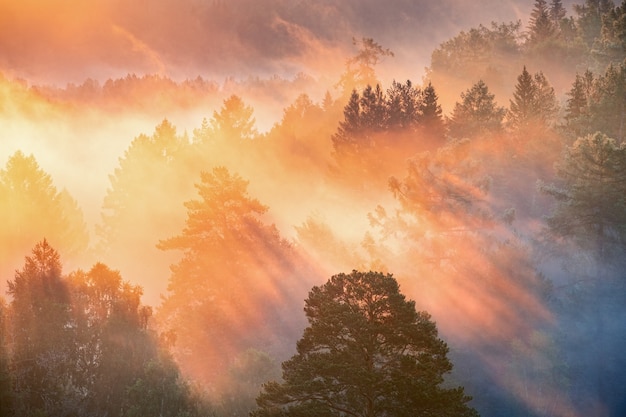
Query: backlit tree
x=366 y=352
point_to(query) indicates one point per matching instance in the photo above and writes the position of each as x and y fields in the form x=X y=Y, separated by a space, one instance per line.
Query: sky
x=61 y=41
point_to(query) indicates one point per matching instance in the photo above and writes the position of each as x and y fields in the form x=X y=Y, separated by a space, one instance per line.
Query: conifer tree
x=430 y=113
x=534 y=104
x=541 y=25
x=589 y=207
x=557 y=12
x=476 y=114
x=348 y=136
x=366 y=352
x=577 y=110
x=42 y=337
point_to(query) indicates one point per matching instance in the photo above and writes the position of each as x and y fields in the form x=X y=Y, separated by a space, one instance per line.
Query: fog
x=126 y=106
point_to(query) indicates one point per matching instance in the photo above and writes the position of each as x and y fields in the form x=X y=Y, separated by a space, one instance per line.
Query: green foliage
x=598 y=103
x=80 y=345
x=471 y=51
x=445 y=189
x=590 y=203
x=374 y=120
x=249 y=371
x=608 y=107
x=577 y=110
x=159 y=391
x=542 y=23
x=367 y=352
x=112 y=343
x=534 y=105
x=557 y=12
x=476 y=115
x=589 y=19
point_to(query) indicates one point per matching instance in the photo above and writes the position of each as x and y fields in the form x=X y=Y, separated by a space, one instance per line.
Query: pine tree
x=589 y=20
x=234 y=121
x=477 y=113
x=557 y=12
x=42 y=335
x=219 y=289
x=366 y=352
x=347 y=140
x=373 y=109
x=577 y=110
x=534 y=104
x=541 y=25
x=430 y=113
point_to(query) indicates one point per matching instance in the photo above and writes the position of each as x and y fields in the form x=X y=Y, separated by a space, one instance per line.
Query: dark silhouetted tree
x=373 y=109
x=403 y=103
x=366 y=352
x=598 y=104
x=349 y=133
x=431 y=114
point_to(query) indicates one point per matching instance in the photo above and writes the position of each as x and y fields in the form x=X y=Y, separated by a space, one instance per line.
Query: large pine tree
x=366 y=352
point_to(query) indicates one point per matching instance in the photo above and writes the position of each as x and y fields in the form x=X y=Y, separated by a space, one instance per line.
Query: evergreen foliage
x=366 y=352
x=477 y=114
x=590 y=205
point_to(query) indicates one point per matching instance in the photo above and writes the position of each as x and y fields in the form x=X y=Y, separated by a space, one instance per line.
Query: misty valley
x=319 y=234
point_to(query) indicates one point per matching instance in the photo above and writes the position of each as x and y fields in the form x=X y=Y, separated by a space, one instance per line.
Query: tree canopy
x=220 y=286
x=366 y=352
x=590 y=204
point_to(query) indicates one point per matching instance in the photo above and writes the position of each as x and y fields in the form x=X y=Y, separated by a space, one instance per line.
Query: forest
x=186 y=247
